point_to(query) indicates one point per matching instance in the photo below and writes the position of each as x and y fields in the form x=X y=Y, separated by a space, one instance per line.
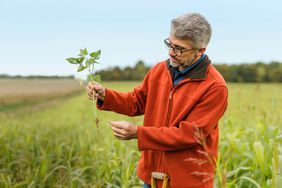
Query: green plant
x=86 y=61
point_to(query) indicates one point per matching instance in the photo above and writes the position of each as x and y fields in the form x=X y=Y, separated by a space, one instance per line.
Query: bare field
x=19 y=92
x=29 y=87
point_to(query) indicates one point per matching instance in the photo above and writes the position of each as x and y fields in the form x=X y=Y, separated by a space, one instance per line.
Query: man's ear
x=200 y=52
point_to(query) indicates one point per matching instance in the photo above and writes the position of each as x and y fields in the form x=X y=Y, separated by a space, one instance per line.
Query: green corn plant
x=86 y=61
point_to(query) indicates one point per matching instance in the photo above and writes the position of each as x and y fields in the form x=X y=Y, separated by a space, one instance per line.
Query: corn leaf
x=250 y=180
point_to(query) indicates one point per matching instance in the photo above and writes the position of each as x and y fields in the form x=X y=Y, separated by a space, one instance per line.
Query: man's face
x=182 y=53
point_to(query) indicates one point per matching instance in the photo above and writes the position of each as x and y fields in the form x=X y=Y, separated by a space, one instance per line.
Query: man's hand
x=95 y=91
x=124 y=130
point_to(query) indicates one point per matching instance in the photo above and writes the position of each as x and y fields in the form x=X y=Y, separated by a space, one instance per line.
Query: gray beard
x=178 y=65
x=171 y=63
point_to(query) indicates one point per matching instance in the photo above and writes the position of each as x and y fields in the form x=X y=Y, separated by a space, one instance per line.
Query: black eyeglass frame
x=176 y=49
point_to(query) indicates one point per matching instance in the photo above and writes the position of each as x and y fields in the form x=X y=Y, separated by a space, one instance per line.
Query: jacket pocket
x=188 y=166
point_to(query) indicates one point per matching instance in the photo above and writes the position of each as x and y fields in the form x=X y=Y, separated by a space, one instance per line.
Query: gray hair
x=193 y=27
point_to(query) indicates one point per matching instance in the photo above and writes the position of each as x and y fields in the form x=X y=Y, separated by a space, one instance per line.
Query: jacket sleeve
x=130 y=103
x=205 y=116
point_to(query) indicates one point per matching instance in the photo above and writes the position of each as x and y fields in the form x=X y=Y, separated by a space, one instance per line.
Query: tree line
x=246 y=72
x=137 y=72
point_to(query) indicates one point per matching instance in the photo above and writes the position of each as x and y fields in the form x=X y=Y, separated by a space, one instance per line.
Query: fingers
x=119 y=124
x=90 y=86
x=94 y=91
x=93 y=86
x=119 y=130
x=90 y=90
x=119 y=133
x=123 y=130
x=92 y=95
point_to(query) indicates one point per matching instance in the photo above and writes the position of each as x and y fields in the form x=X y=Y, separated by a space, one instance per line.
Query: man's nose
x=171 y=52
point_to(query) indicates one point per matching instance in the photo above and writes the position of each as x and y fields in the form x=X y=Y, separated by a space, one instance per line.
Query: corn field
x=58 y=145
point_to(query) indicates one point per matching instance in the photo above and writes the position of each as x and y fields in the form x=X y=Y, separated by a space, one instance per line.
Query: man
x=182 y=100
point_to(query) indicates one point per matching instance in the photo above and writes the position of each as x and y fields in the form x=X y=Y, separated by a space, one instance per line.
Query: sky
x=36 y=36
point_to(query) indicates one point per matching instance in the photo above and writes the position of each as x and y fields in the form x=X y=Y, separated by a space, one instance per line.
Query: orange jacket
x=167 y=138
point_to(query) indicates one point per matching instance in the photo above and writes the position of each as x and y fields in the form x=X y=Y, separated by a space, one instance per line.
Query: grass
x=60 y=146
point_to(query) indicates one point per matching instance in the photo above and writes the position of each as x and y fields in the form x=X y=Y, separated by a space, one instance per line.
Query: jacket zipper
x=167 y=125
x=170 y=101
x=169 y=108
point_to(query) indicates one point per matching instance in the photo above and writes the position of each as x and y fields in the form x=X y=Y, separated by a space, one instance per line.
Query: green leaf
x=93 y=77
x=81 y=68
x=89 y=61
x=90 y=77
x=279 y=181
x=251 y=181
x=83 y=52
x=96 y=55
x=84 y=61
x=280 y=165
x=80 y=60
x=236 y=171
x=72 y=60
x=97 y=78
x=278 y=138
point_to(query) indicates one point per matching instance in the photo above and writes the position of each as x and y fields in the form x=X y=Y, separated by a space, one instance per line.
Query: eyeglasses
x=178 y=50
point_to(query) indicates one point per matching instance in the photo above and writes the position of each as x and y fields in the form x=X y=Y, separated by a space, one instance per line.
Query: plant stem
x=95 y=113
x=91 y=72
